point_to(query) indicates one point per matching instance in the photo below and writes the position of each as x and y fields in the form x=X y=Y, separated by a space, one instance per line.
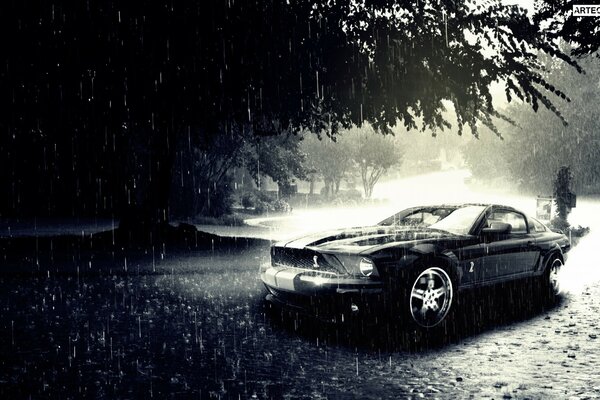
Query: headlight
x=366 y=267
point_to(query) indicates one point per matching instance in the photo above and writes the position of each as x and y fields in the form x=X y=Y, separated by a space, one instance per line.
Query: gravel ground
x=198 y=328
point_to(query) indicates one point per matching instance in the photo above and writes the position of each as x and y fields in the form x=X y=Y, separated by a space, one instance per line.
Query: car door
x=471 y=260
x=508 y=255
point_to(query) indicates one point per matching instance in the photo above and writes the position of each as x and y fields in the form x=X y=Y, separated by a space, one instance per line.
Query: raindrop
x=317 y=72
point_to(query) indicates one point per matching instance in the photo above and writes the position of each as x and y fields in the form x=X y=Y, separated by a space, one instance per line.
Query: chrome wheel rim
x=553 y=275
x=431 y=297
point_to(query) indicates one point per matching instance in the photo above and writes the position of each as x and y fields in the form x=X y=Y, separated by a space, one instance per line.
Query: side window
x=413 y=219
x=421 y=218
x=536 y=226
x=516 y=220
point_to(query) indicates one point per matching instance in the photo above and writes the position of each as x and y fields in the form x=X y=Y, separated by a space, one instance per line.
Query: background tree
x=203 y=172
x=563 y=196
x=330 y=159
x=373 y=155
x=422 y=153
x=534 y=149
x=204 y=169
x=278 y=157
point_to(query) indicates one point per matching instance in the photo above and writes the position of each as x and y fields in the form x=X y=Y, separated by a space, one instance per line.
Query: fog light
x=354 y=308
x=366 y=267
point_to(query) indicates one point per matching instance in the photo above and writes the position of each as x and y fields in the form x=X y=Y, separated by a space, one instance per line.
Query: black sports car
x=414 y=263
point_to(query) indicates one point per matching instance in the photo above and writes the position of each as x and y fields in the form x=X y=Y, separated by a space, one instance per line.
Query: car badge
x=315 y=263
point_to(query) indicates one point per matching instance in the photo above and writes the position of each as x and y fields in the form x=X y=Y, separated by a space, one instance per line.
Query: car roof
x=460 y=205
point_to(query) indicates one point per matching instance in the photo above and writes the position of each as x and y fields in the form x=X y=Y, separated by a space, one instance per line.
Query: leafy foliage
x=329 y=159
x=582 y=33
x=202 y=182
x=354 y=151
x=537 y=147
x=277 y=156
x=162 y=69
x=204 y=167
x=374 y=155
x=562 y=193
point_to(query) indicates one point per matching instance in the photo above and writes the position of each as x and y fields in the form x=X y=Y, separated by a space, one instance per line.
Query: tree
x=562 y=24
x=204 y=166
x=161 y=69
x=278 y=157
x=374 y=155
x=537 y=147
x=330 y=159
x=562 y=196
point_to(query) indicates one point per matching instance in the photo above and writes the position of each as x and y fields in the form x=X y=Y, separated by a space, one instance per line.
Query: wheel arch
x=556 y=252
x=398 y=268
x=436 y=260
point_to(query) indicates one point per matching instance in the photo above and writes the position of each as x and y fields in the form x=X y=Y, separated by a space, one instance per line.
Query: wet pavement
x=206 y=334
x=193 y=324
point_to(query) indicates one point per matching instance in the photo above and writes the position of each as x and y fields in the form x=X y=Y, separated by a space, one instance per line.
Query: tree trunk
x=366 y=187
x=368 y=191
x=328 y=188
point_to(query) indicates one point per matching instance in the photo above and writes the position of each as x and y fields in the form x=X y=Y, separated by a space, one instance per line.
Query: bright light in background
x=446 y=187
x=582 y=269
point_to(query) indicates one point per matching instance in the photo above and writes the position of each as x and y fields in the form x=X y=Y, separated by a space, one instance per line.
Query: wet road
x=205 y=334
x=193 y=325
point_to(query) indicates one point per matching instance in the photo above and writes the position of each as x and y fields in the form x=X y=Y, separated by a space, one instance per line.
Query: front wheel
x=431 y=297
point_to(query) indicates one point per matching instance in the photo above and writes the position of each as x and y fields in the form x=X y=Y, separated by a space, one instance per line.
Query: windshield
x=418 y=217
x=460 y=221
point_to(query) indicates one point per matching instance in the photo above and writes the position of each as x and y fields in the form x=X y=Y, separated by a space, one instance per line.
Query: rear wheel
x=551 y=283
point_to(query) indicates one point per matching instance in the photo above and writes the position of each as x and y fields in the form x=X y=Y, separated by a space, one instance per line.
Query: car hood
x=358 y=240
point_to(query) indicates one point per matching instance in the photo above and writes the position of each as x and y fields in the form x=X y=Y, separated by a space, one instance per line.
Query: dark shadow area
x=479 y=310
x=206 y=334
x=114 y=252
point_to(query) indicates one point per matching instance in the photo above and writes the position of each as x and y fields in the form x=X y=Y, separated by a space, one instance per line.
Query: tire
x=550 y=282
x=430 y=298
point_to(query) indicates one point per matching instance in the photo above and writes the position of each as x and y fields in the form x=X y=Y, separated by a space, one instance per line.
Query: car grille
x=305 y=259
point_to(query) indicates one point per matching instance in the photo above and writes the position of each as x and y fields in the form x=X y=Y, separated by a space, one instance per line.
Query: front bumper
x=325 y=295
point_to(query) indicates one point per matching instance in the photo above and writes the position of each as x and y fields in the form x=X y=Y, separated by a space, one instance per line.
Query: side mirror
x=497 y=228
